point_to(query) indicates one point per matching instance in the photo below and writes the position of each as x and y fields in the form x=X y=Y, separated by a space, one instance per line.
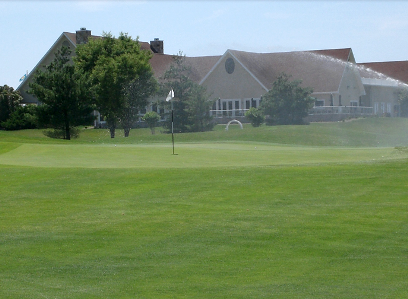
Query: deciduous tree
x=287 y=102
x=24 y=117
x=111 y=64
x=136 y=93
x=10 y=100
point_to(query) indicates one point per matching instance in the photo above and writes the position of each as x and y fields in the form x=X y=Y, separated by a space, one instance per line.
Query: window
x=247 y=104
x=236 y=105
x=340 y=100
x=319 y=103
x=353 y=103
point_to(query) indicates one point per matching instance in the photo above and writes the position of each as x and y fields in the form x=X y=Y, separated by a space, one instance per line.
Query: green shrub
x=255 y=116
x=151 y=118
x=24 y=117
x=61 y=134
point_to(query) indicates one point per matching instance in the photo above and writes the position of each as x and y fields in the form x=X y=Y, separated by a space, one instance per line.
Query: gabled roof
x=316 y=69
x=345 y=54
x=41 y=62
x=397 y=70
x=72 y=37
x=200 y=66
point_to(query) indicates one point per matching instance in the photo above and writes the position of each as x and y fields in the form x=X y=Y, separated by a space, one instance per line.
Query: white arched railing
x=233 y=121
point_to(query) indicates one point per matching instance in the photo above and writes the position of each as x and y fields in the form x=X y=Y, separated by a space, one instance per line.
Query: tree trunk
x=67 y=129
x=112 y=131
x=112 y=127
x=127 y=131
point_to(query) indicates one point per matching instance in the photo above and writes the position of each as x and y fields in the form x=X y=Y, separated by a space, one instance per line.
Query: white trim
x=326 y=92
x=244 y=67
x=45 y=56
x=357 y=75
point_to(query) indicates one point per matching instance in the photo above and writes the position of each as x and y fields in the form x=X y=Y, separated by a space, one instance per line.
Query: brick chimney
x=157 y=46
x=82 y=36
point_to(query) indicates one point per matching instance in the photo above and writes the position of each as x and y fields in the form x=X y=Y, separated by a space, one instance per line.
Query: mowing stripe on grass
x=189 y=155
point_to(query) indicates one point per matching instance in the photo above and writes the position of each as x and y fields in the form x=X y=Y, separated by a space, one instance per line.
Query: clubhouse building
x=237 y=80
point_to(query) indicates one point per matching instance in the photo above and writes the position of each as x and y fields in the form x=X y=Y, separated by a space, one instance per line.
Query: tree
x=191 y=104
x=24 y=117
x=136 y=94
x=10 y=100
x=111 y=64
x=255 y=116
x=63 y=94
x=151 y=118
x=287 y=102
x=403 y=101
x=198 y=109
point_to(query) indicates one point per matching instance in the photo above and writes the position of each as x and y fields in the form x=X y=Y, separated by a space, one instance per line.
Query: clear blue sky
x=375 y=30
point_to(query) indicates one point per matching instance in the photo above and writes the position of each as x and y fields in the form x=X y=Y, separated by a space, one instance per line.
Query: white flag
x=170 y=95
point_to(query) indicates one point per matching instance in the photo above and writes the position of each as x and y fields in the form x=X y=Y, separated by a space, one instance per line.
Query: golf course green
x=316 y=211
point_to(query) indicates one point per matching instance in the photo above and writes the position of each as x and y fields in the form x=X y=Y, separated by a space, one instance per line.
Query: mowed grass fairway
x=317 y=211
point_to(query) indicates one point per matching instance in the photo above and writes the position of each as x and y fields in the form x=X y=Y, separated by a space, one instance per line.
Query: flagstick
x=169 y=98
x=172 y=126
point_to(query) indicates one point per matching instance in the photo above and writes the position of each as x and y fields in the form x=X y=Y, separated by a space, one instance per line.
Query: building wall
x=351 y=88
x=383 y=99
x=234 y=83
x=348 y=94
x=24 y=87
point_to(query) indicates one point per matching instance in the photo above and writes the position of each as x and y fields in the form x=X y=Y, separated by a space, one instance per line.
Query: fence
x=228 y=113
x=352 y=110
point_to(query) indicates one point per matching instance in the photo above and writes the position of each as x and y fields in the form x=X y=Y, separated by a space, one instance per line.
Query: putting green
x=188 y=155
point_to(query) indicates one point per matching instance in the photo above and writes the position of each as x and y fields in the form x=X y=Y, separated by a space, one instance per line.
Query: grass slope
x=368 y=132
x=219 y=220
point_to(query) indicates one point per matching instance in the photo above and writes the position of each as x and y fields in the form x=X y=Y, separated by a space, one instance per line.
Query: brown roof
x=72 y=37
x=321 y=72
x=380 y=70
x=320 y=69
x=160 y=63
x=201 y=66
x=345 y=54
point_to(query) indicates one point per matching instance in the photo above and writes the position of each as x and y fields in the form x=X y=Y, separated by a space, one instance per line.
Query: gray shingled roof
x=321 y=72
x=321 y=69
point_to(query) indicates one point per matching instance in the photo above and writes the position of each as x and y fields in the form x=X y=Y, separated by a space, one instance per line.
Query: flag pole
x=170 y=96
x=172 y=125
